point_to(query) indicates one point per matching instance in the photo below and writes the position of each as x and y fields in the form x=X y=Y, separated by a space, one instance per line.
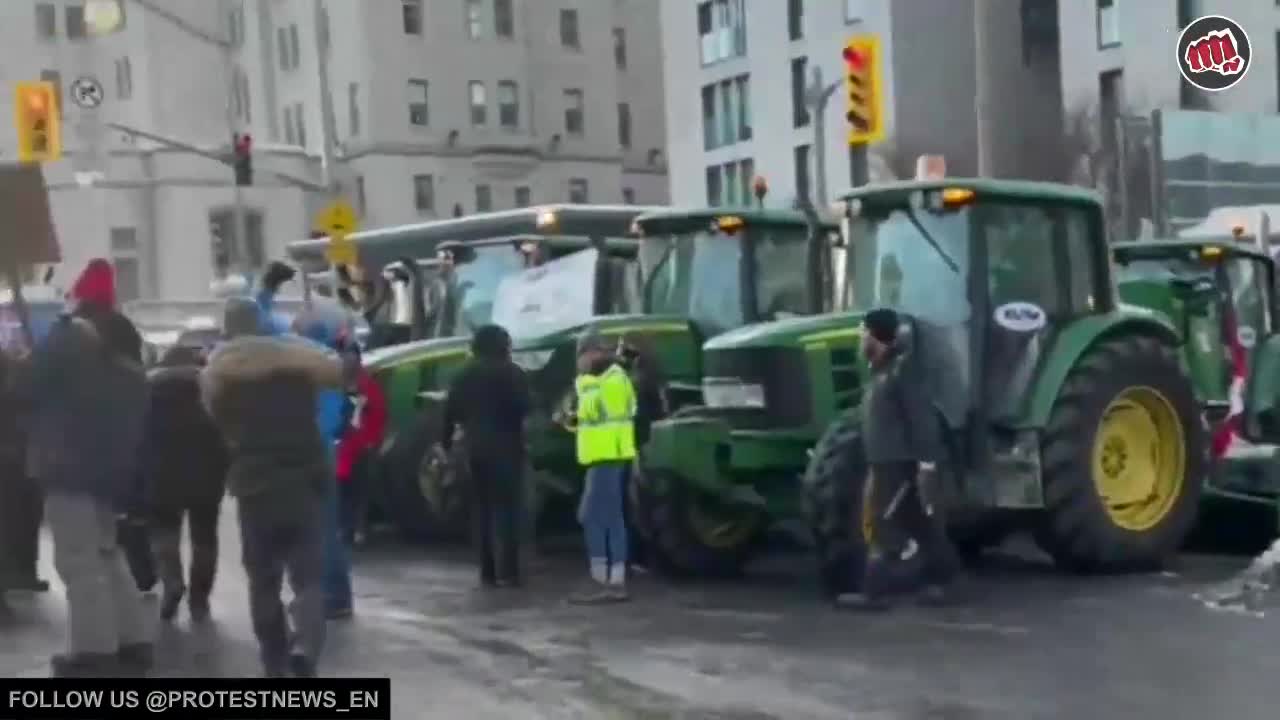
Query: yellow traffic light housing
x=864 y=85
x=38 y=121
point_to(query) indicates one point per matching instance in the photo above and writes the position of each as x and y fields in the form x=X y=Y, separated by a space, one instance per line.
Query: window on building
x=235 y=26
x=299 y=117
x=353 y=108
x=124 y=79
x=728 y=114
x=424 y=193
x=730 y=184
x=290 y=136
x=854 y=10
x=569 y=29
x=722 y=30
x=624 y=124
x=795 y=19
x=524 y=198
x=620 y=48
x=418 y=106
x=747 y=176
x=282 y=47
x=802 y=172
x=714 y=187
x=475 y=19
x=508 y=104
x=477 y=97
x=579 y=191
x=743 y=84
x=574 y=110
x=362 y=202
x=710 y=137
x=628 y=196
x=294 y=50
x=55 y=77
x=1278 y=74
x=225 y=243
x=240 y=95
x=1108 y=23
x=799 y=108
x=46 y=21
x=75 y=22
x=411 y=12
x=124 y=256
x=504 y=19
x=484 y=198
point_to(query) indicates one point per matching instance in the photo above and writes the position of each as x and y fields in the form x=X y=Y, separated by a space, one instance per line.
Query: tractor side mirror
x=1262 y=394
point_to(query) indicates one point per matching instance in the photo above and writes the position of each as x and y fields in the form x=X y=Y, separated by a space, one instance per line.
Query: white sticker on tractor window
x=1247 y=336
x=1021 y=317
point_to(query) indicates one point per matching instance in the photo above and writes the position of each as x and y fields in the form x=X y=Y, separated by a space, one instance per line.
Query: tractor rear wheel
x=693 y=536
x=832 y=497
x=1123 y=455
x=425 y=494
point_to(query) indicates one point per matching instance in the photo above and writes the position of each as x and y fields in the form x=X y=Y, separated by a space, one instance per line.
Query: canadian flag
x=1228 y=433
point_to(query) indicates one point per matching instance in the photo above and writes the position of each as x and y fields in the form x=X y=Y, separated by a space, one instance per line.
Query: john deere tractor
x=1220 y=295
x=1066 y=413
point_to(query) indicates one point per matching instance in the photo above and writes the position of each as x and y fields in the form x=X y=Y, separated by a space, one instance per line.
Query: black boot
x=84 y=665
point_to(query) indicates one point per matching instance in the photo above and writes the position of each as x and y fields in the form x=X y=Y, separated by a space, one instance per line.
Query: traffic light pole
x=858 y=173
x=240 y=218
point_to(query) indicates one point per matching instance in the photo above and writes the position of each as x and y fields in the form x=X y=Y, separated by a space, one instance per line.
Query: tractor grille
x=783 y=372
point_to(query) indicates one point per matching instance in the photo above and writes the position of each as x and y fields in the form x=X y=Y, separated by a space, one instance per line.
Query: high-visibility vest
x=606 y=415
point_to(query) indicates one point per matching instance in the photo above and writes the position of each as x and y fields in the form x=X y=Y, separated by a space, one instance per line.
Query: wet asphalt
x=1030 y=644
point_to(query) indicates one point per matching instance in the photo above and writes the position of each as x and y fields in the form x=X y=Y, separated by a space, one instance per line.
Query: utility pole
x=985 y=14
x=328 y=120
x=816 y=98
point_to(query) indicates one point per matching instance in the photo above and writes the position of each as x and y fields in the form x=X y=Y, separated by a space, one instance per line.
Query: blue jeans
x=337 y=564
x=600 y=512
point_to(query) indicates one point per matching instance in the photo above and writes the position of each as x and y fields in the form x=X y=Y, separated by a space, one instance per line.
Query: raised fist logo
x=1213 y=53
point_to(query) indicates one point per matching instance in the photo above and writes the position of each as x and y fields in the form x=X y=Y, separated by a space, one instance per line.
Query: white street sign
x=86 y=92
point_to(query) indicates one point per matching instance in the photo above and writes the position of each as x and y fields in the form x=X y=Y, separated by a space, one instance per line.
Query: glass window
x=353 y=108
x=795 y=19
x=569 y=29
x=579 y=191
x=574 y=109
x=484 y=198
x=728 y=114
x=1249 y=295
x=477 y=284
x=1028 y=246
x=895 y=264
x=714 y=188
x=731 y=184
x=479 y=103
x=289 y=137
x=75 y=22
x=504 y=21
x=418 y=108
x=282 y=47
x=710 y=136
x=620 y=48
x=475 y=19
x=744 y=106
x=294 y=50
x=46 y=20
x=524 y=198
x=747 y=174
x=411 y=16
x=695 y=274
x=424 y=193
x=300 y=118
x=628 y=196
x=782 y=272
x=508 y=105
x=853 y=10
x=1108 y=23
x=624 y=125
x=124 y=85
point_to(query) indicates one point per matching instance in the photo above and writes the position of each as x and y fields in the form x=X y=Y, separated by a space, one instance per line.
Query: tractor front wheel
x=832 y=497
x=425 y=492
x=1124 y=455
x=690 y=535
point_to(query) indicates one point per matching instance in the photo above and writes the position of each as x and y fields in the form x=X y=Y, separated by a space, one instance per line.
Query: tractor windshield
x=699 y=275
x=476 y=282
x=911 y=260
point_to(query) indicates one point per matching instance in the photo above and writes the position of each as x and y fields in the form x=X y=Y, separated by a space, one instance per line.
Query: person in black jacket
x=489 y=399
x=903 y=445
x=21 y=500
x=185 y=471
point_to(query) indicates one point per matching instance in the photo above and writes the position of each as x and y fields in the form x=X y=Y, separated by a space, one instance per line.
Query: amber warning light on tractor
x=864 y=88
x=38 y=122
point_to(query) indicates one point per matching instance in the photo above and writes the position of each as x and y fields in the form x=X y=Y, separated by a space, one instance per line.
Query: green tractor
x=1220 y=294
x=1066 y=412
x=704 y=272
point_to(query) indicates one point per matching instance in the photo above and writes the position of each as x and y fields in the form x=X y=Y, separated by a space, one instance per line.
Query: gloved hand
x=277 y=274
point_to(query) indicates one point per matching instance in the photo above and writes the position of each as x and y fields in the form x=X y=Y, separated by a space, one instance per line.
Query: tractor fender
x=1077 y=339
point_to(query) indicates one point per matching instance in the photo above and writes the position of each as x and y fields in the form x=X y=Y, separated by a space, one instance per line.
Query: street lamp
x=103 y=17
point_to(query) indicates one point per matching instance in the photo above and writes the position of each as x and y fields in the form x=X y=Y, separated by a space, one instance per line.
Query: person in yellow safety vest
x=606 y=447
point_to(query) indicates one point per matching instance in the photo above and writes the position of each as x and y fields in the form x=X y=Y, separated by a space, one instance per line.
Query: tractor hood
x=789 y=332
x=609 y=325
x=415 y=351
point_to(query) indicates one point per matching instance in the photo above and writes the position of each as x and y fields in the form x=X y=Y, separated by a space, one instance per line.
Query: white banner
x=548 y=298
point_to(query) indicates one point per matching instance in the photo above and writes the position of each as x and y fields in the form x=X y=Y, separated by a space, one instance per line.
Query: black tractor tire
x=413 y=513
x=674 y=545
x=1076 y=529
x=832 y=497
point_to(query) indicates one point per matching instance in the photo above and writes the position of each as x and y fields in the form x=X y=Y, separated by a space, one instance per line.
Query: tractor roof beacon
x=1069 y=415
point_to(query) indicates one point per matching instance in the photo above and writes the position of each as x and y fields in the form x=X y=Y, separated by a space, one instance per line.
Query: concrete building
x=439 y=107
x=736 y=73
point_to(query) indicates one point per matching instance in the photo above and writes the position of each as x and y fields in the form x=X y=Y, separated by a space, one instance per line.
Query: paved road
x=1037 y=646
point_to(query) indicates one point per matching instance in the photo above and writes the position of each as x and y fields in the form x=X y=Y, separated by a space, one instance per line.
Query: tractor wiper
x=911 y=215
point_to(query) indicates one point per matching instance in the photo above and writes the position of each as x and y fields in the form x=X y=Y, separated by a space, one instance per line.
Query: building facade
x=738 y=74
x=434 y=108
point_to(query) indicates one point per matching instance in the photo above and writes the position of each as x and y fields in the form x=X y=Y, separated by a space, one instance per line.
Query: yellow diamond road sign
x=337 y=221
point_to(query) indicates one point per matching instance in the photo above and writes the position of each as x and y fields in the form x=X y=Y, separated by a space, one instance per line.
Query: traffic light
x=242 y=145
x=38 y=122
x=864 y=85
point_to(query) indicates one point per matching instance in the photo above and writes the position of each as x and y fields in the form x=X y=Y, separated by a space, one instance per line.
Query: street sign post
x=337 y=221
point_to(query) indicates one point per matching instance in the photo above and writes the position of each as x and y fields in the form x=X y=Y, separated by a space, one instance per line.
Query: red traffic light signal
x=854 y=58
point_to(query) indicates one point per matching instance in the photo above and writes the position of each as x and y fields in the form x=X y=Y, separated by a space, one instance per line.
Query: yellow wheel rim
x=1139 y=458
x=720 y=530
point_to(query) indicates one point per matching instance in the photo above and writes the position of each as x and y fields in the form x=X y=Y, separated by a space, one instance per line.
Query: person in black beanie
x=903 y=445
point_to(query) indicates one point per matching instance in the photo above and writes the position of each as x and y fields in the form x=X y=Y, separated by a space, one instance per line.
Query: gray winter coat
x=899 y=422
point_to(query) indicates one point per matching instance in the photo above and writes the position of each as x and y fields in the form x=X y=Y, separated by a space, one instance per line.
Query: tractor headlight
x=531 y=360
x=730 y=393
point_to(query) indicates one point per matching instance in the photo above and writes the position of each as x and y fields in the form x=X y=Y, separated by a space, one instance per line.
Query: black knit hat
x=882 y=324
x=491 y=342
